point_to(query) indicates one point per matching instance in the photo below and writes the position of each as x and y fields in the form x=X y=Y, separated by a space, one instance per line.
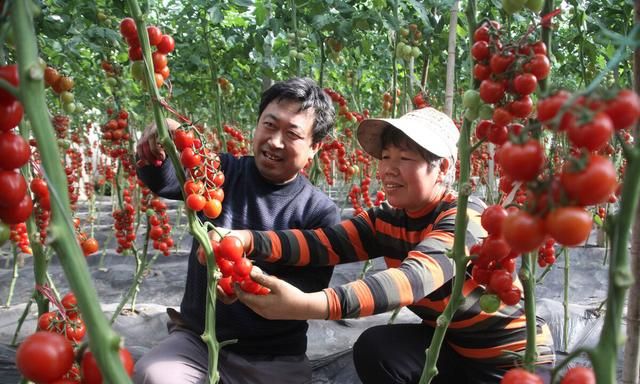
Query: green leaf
x=422 y=12
x=260 y=13
x=243 y=3
x=215 y=15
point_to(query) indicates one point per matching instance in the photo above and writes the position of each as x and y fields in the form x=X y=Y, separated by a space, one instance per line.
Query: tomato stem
x=104 y=342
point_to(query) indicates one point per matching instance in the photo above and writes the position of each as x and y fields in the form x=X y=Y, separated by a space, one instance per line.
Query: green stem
x=198 y=231
x=565 y=302
x=14 y=275
x=14 y=340
x=528 y=278
x=104 y=343
x=605 y=353
x=546 y=38
x=430 y=371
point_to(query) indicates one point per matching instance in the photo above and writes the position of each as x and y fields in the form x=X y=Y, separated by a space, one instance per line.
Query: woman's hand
x=285 y=302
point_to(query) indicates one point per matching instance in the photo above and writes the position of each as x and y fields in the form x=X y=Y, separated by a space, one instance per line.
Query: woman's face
x=406 y=178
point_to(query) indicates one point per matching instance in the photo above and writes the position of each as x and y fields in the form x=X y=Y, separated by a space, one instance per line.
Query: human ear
x=315 y=147
x=444 y=168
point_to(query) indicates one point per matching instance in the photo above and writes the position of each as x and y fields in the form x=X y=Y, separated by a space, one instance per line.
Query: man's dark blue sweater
x=252 y=202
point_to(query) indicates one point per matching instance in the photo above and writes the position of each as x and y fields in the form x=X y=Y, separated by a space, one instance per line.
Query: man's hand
x=148 y=150
x=285 y=302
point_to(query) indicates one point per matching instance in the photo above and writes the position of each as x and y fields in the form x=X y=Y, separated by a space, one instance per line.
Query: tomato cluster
x=409 y=45
x=343 y=108
x=18 y=235
x=237 y=144
x=419 y=100
x=62 y=86
x=42 y=205
x=124 y=220
x=234 y=267
x=225 y=85
x=387 y=102
x=116 y=135
x=159 y=227
x=15 y=202
x=164 y=45
x=508 y=75
x=48 y=356
x=203 y=188
x=493 y=263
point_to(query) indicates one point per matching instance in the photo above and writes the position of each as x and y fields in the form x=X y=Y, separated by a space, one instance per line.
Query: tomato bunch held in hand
x=234 y=267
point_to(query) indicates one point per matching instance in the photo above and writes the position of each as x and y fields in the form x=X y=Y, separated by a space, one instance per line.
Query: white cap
x=428 y=127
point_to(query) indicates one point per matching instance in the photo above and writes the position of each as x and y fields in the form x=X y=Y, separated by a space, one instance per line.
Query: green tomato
x=471 y=99
x=67 y=97
x=471 y=114
x=534 y=5
x=112 y=81
x=69 y=107
x=293 y=54
x=415 y=52
x=64 y=144
x=489 y=302
x=5 y=232
x=101 y=16
x=137 y=70
x=406 y=51
x=512 y=6
x=485 y=112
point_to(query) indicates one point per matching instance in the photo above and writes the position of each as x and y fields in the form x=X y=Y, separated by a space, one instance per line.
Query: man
x=264 y=191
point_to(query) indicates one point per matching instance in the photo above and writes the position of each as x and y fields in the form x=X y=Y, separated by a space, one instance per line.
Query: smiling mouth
x=392 y=186
x=271 y=156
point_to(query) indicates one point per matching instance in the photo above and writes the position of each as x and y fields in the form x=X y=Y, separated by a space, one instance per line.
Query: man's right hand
x=148 y=150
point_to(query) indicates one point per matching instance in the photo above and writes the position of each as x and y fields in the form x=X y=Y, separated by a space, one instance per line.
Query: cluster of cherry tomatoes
x=410 y=40
x=15 y=203
x=17 y=234
x=164 y=45
x=203 y=187
x=62 y=86
x=419 y=101
x=48 y=356
x=237 y=144
x=124 y=222
x=234 y=267
x=387 y=102
x=343 y=108
x=160 y=229
x=115 y=134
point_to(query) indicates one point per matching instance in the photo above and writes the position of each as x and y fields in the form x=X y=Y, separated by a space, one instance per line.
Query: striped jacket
x=414 y=246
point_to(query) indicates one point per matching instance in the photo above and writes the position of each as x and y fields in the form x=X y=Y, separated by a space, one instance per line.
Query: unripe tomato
x=489 y=302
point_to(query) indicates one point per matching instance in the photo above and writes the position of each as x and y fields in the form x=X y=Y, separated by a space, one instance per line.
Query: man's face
x=282 y=141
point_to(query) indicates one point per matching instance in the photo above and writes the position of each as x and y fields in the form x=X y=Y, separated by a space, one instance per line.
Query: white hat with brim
x=428 y=127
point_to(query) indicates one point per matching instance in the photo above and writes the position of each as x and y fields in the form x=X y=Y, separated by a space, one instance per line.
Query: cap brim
x=369 y=133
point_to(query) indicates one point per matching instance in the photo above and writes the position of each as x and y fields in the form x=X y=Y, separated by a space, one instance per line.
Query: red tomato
x=90 y=246
x=481 y=33
x=47 y=321
x=591 y=185
x=579 y=375
x=166 y=44
x=500 y=281
x=492 y=218
x=482 y=129
x=212 y=208
x=15 y=151
x=510 y=296
x=44 y=357
x=570 y=226
x=491 y=91
x=593 y=135
x=225 y=266
x=522 y=231
x=520 y=376
x=480 y=50
x=498 y=134
x=75 y=330
x=250 y=286
x=494 y=248
x=13 y=188
x=231 y=248
x=182 y=139
x=499 y=63
x=190 y=159
x=624 y=109
x=481 y=71
x=91 y=372
x=218 y=179
x=501 y=116
x=525 y=83
x=11 y=115
x=522 y=162
x=521 y=107
x=196 y=202
x=128 y=28
x=225 y=284
x=159 y=61
x=10 y=74
x=549 y=107
x=155 y=35
x=69 y=302
x=242 y=267
x=539 y=65
x=191 y=186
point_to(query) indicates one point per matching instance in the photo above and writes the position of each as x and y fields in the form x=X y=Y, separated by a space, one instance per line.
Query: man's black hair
x=309 y=95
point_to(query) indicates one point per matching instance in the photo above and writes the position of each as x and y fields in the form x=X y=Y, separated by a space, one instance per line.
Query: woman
x=413 y=232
